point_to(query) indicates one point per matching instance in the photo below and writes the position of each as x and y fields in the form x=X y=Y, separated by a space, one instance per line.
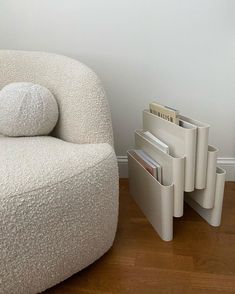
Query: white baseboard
x=226 y=163
x=122 y=166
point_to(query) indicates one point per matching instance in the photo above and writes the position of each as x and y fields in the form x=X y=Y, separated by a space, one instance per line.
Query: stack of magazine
x=151 y=165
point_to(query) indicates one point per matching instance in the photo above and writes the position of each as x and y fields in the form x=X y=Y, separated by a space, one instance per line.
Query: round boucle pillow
x=27 y=109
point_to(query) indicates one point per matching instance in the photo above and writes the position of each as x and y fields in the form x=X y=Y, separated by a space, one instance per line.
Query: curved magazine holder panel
x=212 y=216
x=154 y=199
x=181 y=140
x=201 y=151
x=172 y=170
x=206 y=197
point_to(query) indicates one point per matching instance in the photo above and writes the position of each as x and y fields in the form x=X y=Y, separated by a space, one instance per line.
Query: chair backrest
x=84 y=111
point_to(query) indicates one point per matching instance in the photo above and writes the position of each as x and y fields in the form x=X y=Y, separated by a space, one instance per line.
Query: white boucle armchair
x=58 y=193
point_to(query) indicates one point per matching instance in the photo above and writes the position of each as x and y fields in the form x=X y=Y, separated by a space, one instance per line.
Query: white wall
x=181 y=52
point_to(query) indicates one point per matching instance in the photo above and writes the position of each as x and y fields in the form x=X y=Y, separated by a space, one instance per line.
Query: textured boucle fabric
x=58 y=197
x=27 y=109
x=83 y=107
x=58 y=210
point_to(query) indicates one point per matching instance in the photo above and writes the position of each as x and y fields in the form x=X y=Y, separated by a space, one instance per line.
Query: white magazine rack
x=189 y=173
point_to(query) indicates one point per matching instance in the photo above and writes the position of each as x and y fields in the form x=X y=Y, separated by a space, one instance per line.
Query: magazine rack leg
x=212 y=216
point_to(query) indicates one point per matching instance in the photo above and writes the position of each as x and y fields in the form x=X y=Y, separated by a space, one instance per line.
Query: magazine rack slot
x=212 y=216
x=154 y=199
x=181 y=140
x=206 y=197
x=172 y=170
x=201 y=151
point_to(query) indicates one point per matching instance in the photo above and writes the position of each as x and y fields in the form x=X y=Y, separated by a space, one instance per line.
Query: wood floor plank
x=200 y=259
x=205 y=281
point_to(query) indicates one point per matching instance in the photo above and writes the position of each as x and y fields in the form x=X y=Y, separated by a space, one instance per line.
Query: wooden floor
x=200 y=259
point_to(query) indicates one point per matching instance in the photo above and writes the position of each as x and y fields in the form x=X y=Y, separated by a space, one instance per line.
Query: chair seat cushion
x=31 y=163
x=58 y=210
